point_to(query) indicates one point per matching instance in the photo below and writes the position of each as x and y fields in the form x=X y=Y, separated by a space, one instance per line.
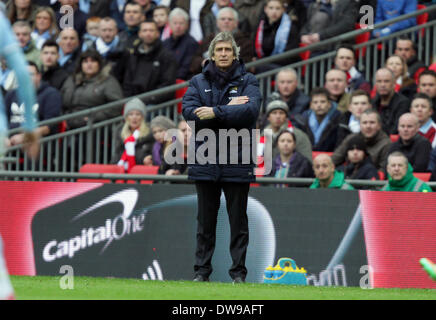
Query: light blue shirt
x=16 y=61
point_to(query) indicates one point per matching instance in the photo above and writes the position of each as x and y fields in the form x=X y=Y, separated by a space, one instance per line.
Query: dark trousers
x=209 y=194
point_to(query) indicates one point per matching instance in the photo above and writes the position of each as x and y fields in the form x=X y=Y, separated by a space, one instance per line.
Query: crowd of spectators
x=114 y=49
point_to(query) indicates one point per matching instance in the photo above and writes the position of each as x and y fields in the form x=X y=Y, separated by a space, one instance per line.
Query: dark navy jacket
x=49 y=106
x=202 y=91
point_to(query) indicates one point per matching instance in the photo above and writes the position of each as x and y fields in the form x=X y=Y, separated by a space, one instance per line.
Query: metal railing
x=138 y=178
x=92 y=143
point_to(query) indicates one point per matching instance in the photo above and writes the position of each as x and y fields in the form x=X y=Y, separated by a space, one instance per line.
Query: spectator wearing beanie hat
x=133 y=138
x=359 y=164
x=159 y=126
x=277 y=116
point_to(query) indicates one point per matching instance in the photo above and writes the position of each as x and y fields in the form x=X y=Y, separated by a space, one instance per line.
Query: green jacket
x=338 y=182
x=409 y=183
x=32 y=53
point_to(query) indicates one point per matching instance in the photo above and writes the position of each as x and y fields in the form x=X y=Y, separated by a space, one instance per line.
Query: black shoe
x=238 y=280
x=200 y=278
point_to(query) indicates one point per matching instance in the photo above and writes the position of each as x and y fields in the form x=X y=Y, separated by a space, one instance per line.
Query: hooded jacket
x=204 y=90
x=338 y=182
x=79 y=93
x=409 y=183
x=49 y=106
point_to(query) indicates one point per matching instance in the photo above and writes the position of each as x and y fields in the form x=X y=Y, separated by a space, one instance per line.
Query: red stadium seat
x=304 y=56
x=361 y=38
x=140 y=169
x=179 y=94
x=422 y=19
x=101 y=168
x=394 y=137
x=381 y=175
x=317 y=153
x=424 y=176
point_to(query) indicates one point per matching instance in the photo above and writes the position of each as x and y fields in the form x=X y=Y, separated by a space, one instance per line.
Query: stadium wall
x=148 y=232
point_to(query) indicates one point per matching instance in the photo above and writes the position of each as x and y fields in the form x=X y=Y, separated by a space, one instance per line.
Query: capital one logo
x=117 y=228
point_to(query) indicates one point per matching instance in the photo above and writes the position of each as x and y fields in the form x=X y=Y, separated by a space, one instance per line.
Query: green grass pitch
x=87 y=288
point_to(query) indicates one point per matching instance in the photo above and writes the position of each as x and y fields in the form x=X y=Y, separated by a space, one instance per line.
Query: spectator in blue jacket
x=224 y=96
x=388 y=9
x=49 y=105
x=180 y=43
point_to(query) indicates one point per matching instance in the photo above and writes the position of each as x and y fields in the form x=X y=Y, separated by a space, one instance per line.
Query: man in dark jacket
x=180 y=43
x=148 y=66
x=320 y=123
x=407 y=49
x=389 y=104
x=132 y=16
x=415 y=147
x=225 y=97
x=49 y=106
x=108 y=44
x=69 y=49
x=287 y=91
x=345 y=60
x=51 y=71
x=427 y=85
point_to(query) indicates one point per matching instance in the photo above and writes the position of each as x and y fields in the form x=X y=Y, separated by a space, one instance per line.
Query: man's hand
x=148 y=160
x=31 y=144
x=306 y=39
x=205 y=113
x=314 y=37
x=172 y=172
x=239 y=100
x=16 y=139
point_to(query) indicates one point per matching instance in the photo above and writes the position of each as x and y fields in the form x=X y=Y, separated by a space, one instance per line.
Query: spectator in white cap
x=133 y=138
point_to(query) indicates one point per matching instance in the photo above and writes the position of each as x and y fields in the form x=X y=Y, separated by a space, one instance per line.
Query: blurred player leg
x=429 y=267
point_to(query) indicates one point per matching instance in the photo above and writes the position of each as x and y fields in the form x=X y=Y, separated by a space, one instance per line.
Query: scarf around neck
x=281 y=37
x=219 y=76
x=318 y=128
x=103 y=48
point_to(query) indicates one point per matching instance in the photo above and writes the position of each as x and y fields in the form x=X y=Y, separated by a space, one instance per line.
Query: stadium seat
x=424 y=176
x=140 y=169
x=101 y=168
x=179 y=94
x=394 y=137
x=381 y=175
x=422 y=19
x=317 y=153
x=304 y=56
x=361 y=38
